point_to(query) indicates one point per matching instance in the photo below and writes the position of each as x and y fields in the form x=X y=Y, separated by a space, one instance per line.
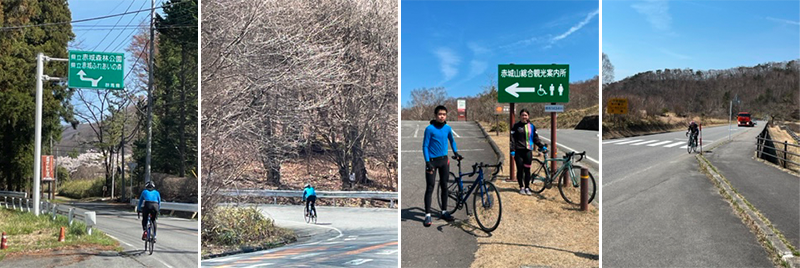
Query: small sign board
x=617 y=106
x=462 y=105
x=48 y=166
x=554 y=108
x=501 y=109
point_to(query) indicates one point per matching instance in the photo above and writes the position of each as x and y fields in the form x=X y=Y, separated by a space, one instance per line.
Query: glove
x=543 y=148
x=428 y=166
x=512 y=153
x=458 y=156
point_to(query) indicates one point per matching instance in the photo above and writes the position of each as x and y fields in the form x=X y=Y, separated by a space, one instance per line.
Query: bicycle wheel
x=487 y=206
x=453 y=195
x=570 y=188
x=306 y=216
x=314 y=215
x=538 y=176
x=151 y=238
x=689 y=146
x=147 y=238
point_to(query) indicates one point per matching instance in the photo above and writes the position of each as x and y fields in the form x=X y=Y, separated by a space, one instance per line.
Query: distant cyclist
x=149 y=205
x=694 y=130
x=523 y=139
x=434 y=149
x=310 y=197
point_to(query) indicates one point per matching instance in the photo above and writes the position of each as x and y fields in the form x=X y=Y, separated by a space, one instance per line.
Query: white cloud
x=448 y=61
x=784 y=21
x=477 y=49
x=657 y=13
x=477 y=67
x=580 y=25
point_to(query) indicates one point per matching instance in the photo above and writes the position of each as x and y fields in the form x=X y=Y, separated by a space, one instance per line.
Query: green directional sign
x=533 y=83
x=100 y=70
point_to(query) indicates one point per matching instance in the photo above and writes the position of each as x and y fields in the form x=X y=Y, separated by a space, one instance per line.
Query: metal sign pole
x=554 y=148
x=511 y=175
x=37 y=151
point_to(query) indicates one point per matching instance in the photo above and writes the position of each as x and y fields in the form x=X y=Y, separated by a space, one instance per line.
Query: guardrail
x=14 y=194
x=388 y=196
x=772 y=148
x=171 y=206
x=72 y=213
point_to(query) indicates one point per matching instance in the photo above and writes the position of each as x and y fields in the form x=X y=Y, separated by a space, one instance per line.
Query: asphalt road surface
x=659 y=210
x=177 y=238
x=579 y=141
x=362 y=237
x=441 y=245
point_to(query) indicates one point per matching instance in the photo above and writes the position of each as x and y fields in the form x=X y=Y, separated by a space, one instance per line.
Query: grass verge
x=240 y=229
x=28 y=233
x=80 y=189
x=750 y=216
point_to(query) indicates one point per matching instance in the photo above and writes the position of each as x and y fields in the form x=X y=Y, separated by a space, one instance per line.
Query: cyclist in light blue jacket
x=310 y=197
x=149 y=205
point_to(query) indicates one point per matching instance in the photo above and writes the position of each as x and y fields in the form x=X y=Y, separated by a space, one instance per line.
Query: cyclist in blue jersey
x=310 y=197
x=149 y=204
x=434 y=149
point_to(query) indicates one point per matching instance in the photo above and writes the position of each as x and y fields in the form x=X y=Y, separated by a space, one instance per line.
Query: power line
x=89 y=19
x=120 y=33
x=115 y=24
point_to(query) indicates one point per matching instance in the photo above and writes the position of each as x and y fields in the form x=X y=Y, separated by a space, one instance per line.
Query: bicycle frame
x=566 y=166
x=479 y=181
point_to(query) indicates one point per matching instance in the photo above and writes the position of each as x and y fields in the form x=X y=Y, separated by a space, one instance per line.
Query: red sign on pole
x=48 y=166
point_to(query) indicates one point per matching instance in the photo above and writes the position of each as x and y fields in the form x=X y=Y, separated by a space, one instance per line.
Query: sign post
x=534 y=83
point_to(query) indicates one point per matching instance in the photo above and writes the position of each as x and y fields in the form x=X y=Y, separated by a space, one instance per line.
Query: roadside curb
x=500 y=155
x=773 y=242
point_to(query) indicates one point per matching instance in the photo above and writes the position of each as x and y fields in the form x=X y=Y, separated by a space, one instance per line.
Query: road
x=177 y=238
x=363 y=237
x=577 y=140
x=659 y=210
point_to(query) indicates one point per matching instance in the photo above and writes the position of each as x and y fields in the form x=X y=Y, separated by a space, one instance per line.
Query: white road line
x=629 y=141
x=387 y=252
x=120 y=240
x=685 y=146
x=416 y=131
x=454 y=133
x=674 y=144
x=644 y=142
x=358 y=261
x=323 y=226
x=460 y=150
x=565 y=147
x=259 y=265
x=352 y=237
x=659 y=143
x=614 y=141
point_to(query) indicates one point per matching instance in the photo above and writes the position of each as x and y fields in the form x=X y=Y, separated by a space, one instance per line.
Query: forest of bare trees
x=769 y=89
x=286 y=78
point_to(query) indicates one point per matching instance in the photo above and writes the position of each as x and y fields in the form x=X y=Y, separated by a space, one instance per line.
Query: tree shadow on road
x=578 y=254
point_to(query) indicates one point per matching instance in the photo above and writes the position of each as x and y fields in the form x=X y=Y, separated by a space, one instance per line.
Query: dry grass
x=779 y=136
x=652 y=125
x=538 y=230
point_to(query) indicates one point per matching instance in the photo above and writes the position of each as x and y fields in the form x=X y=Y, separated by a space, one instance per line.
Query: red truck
x=744 y=119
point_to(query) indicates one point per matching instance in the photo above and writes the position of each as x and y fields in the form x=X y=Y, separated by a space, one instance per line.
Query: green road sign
x=101 y=70
x=533 y=83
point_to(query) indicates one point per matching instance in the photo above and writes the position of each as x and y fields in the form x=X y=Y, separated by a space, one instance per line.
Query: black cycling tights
x=523 y=159
x=311 y=200
x=149 y=208
x=442 y=164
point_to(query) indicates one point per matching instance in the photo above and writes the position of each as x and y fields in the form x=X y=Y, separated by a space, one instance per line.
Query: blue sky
x=458 y=44
x=640 y=36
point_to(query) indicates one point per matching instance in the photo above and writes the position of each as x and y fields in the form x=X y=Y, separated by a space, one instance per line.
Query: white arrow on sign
x=94 y=82
x=515 y=89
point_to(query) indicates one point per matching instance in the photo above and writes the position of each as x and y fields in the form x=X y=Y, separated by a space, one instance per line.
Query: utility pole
x=150 y=94
x=37 y=151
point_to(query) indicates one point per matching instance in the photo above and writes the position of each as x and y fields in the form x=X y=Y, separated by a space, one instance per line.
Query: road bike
x=485 y=198
x=310 y=217
x=692 y=145
x=150 y=236
x=568 y=174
